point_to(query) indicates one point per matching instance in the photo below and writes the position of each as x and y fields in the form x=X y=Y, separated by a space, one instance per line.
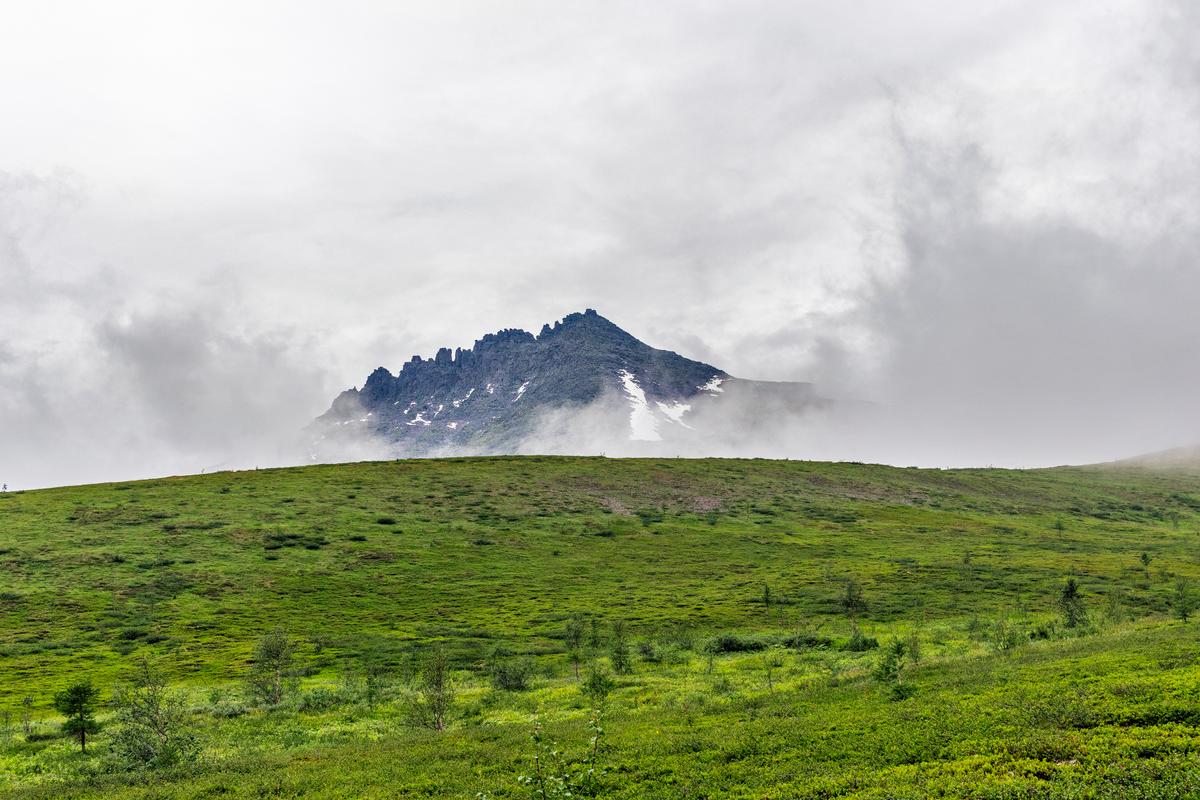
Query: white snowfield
x=675 y=412
x=642 y=424
x=521 y=391
x=713 y=386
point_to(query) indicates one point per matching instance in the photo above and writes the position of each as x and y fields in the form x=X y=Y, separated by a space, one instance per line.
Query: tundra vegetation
x=586 y=627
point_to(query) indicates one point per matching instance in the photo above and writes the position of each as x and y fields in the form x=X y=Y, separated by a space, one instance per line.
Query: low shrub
x=649 y=517
x=662 y=652
x=321 y=699
x=597 y=686
x=807 y=641
x=731 y=643
x=858 y=643
x=511 y=674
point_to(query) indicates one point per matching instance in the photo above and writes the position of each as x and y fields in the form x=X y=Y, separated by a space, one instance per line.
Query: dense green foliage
x=743 y=628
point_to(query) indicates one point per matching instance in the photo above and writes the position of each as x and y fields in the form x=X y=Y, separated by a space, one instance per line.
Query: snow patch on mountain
x=674 y=411
x=643 y=426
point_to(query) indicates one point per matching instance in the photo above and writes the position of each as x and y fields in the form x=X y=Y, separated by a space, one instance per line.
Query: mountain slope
x=503 y=391
x=1175 y=458
x=375 y=565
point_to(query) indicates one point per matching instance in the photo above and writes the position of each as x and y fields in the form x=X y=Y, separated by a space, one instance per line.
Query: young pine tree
x=852 y=601
x=78 y=704
x=890 y=669
x=573 y=634
x=595 y=636
x=1070 y=602
x=618 y=652
x=375 y=678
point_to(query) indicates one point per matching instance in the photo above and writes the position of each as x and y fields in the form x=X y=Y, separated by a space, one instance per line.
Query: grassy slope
x=471 y=552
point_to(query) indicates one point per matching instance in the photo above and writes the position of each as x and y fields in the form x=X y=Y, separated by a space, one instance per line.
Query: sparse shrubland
x=665 y=629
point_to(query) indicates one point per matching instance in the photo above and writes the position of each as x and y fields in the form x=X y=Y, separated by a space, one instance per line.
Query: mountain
x=583 y=378
x=1176 y=458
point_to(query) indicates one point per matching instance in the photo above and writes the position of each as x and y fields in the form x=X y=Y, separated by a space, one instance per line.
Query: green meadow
x=625 y=628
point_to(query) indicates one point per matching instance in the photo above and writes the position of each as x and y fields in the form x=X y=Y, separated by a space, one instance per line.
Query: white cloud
x=783 y=189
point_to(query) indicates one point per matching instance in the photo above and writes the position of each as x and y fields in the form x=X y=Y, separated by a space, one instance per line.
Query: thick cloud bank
x=981 y=218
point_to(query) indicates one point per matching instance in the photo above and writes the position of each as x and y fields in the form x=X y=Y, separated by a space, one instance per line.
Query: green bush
x=858 y=643
x=511 y=674
x=226 y=709
x=808 y=641
x=322 y=699
x=1003 y=636
x=153 y=728
x=732 y=643
x=597 y=686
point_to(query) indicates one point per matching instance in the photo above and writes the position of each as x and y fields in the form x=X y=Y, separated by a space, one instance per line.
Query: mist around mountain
x=581 y=385
x=1182 y=458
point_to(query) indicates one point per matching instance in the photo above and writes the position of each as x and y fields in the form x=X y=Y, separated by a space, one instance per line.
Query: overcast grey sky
x=215 y=215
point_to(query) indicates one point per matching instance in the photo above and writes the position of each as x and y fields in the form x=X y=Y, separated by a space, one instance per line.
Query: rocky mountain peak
x=489 y=397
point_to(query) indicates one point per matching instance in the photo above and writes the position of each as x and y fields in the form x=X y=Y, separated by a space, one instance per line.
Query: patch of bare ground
x=615 y=506
x=703 y=503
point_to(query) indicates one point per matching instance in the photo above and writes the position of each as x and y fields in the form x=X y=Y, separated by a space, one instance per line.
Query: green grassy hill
x=750 y=677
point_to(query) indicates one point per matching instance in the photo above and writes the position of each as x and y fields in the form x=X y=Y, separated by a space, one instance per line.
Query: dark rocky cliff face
x=490 y=397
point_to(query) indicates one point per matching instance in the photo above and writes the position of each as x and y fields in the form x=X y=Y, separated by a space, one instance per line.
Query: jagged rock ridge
x=490 y=397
